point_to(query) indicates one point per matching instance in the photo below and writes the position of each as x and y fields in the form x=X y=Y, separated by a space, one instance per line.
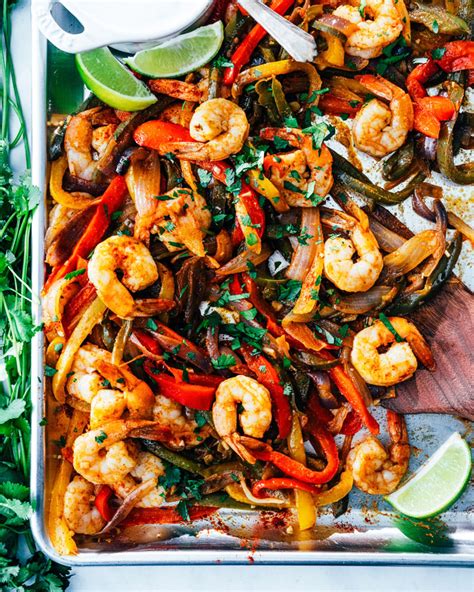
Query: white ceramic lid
x=128 y=25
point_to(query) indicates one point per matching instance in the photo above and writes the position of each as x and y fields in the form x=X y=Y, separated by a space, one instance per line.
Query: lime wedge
x=180 y=55
x=112 y=82
x=438 y=483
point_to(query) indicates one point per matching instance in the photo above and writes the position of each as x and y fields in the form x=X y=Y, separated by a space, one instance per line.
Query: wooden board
x=447 y=324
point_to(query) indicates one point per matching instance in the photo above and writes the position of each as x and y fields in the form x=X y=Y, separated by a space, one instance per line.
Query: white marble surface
x=238 y=578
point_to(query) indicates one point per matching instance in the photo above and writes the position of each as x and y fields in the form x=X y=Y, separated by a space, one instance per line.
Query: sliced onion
x=258 y=501
x=355 y=377
x=129 y=502
x=241 y=262
x=277 y=263
x=181 y=349
x=336 y=22
x=323 y=385
x=340 y=414
x=363 y=302
x=304 y=254
x=387 y=219
x=387 y=239
x=466 y=230
x=411 y=253
x=121 y=341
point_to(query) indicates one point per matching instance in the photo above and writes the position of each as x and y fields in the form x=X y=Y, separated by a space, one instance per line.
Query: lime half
x=112 y=82
x=180 y=55
x=438 y=483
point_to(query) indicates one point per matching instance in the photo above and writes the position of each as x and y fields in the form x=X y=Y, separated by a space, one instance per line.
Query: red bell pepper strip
x=352 y=424
x=459 y=55
x=441 y=107
x=101 y=502
x=110 y=202
x=295 y=469
x=332 y=105
x=76 y=306
x=262 y=306
x=190 y=395
x=148 y=342
x=140 y=516
x=429 y=112
x=247 y=195
x=316 y=412
x=268 y=376
x=349 y=391
x=420 y=76
x=152 y=134
x=245 y=49
x=193 y=378
x=282 y=483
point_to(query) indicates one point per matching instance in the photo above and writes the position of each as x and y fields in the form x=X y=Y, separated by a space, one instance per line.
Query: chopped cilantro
x=100 y=439
x=224 y=361
x=73 y=274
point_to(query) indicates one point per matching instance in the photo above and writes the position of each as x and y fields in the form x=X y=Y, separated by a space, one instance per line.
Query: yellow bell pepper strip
x=89 y=320
x=337 y=492
x=283 y=483
x=237 y=493
x=62 y=197
x=244 y=51
x=265 y=187
x=303 y=499
x=59 y=532
x=333 y=55
x=265 y=71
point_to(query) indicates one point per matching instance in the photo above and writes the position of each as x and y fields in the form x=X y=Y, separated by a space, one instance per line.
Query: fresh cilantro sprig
x=21 y=566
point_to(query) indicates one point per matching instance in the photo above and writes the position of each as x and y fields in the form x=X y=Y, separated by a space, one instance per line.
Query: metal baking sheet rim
x=147 y=557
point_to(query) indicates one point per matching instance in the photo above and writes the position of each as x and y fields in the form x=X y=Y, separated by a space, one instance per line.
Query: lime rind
x=112 y=82
x=181 y=54
x=417 y=498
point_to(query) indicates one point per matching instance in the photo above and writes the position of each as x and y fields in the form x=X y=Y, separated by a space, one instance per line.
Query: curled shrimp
x=180 y=221
x=184 y=432
x=80 y=513
x=376 y=470
x=110 y=390
x=220 y=128
x=399 y=361
x=371 y=34
x=148 y=468
x=318 y=161
x=134 y=260
x=255 y=418
x=102 y=456
x=78 y=144
x=339 y=266
x=379 y=128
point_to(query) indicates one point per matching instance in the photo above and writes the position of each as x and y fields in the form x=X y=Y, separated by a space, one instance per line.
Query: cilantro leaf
x=224 y=361
x=14 y=410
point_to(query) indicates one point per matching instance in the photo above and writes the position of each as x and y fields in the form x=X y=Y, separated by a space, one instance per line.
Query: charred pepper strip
x=351 y=393
x=378 y=194
x=110 y=202
x=462 y=174
x=246 y=195
x=102 y=502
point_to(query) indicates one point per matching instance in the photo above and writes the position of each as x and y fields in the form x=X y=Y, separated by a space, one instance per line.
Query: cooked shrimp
x=220 y=128
x=318 y=161
x=396 y=364
x=376 y=470
x=79 y=512
x=180 y=221
x=101 y=136
x=148 y=468
x=78 y=144
x=110 y=390
x=379 y=128
x=255 y=419
x=102 y=455
x=339 y=266
x=138 y=268
x=372 y=34
x=185 y=432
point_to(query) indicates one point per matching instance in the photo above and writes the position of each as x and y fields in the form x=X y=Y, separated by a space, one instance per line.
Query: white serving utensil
x=300 y=45
x=127 y=25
